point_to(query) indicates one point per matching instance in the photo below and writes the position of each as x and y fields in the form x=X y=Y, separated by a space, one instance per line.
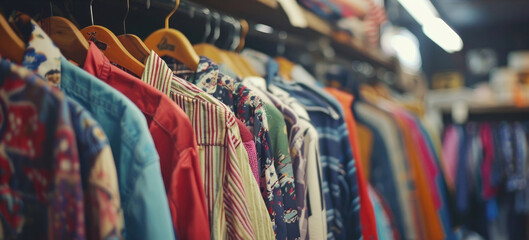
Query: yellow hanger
x=67 y=38
x=218 y=56
x=135 y=46
x=241 y=63
x=11 y=46
x=172 y=43
x=133 y=43
x=285 y=68
x=111 y=47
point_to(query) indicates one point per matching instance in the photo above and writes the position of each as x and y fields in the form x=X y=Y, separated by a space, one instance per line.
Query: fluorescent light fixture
x=443 y=35
x=433 y=27
x=263 y=28
x=421 y=10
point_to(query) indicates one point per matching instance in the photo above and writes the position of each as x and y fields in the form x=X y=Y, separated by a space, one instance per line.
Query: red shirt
x=175 y=142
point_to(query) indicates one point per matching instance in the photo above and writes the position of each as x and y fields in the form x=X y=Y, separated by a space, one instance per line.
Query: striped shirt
x=248 y=108
x=235 y=207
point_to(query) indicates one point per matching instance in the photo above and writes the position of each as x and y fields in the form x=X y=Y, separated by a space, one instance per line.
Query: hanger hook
x=177 y=2
x=125 y=18
x=51 y=9
x=91 y=12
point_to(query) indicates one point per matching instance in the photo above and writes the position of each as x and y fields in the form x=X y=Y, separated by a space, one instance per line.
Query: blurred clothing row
x=486 y=170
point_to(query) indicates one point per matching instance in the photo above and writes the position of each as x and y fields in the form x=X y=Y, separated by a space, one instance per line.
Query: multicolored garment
x=295 y=144
x=340 y=184
x=249 y=108
x=104 y=216
x=235 y=206
x=313 y=224
x=40 y=184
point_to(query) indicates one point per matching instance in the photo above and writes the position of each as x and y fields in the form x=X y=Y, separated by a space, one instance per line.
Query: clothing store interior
x=264 y=119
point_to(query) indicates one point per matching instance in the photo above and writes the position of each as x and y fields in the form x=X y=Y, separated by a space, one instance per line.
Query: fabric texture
x=103 y=213
x=295 y=144
x=174 y=140
x=340 y=187
x=389 y=169
x=248 y=108
x=367 y=215
x=313 y=224
x=42 y=196
x=142 y=193
x=249 y=145
x=235 y=207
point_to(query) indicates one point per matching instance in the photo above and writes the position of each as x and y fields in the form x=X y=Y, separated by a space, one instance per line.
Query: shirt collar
x=157 y=73
x=41 y=54
x=205 y=66
x=160 y=76
x=97 y=63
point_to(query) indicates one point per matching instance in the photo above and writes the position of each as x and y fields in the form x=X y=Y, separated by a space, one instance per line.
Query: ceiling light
x=433 y=27
x=439 y=32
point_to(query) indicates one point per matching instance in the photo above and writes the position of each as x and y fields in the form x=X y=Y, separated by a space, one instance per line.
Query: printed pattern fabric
x=248 y=107
x=296 y=149
x=41 y=190
x=340 y=184
x=234 y=203
x=104 y=217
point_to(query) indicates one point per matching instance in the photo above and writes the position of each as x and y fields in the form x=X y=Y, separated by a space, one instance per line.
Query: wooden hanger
x=112 y=47
x=133 y=43
x=67 y=37
x=240 y=61
x=218 y=56
x=285 y=68
x=244 y=32
x=172 y=43
x=243 y=64
x=135 y=46
x=11 y=46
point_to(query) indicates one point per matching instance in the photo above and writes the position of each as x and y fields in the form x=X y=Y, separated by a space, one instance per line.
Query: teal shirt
x=142 y=193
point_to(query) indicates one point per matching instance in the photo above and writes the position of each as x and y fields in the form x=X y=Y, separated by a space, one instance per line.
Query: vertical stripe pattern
x=235 y=207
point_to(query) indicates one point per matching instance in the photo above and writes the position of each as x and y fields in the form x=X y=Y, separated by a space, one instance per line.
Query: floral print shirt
x=40 y=184
x=104 y=217
x=249 y=108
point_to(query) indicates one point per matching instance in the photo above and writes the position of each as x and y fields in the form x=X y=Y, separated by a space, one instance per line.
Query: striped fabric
x=235 y=206
x=277 y=187
x=376 y=16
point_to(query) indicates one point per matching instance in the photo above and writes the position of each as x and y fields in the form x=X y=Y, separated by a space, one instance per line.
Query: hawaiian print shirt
x=104 y=217
x=249 y=108
x=42 y=196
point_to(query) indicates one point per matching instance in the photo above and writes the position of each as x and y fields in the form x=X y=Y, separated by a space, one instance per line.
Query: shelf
x=256 y=11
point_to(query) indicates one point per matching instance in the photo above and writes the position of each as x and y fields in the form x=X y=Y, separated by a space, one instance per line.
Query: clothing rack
x=491 y=114
x=145 y=16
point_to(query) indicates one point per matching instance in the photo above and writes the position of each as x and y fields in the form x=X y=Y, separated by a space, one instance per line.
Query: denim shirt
x=143 y=196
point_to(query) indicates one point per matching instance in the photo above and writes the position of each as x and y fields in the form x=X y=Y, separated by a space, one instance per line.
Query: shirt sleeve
x=188 y=199
x=148 y=210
